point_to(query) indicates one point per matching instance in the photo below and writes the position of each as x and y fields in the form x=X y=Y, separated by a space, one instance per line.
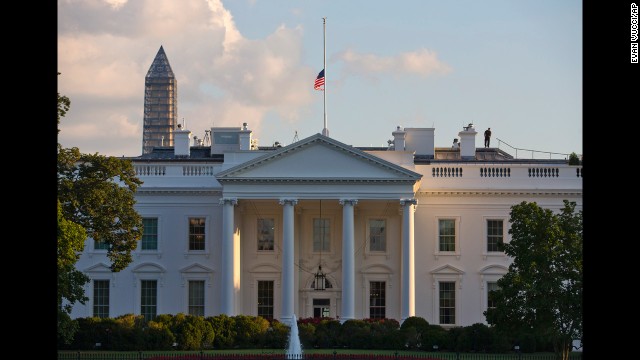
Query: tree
x=97 y=192
x=574 y=159
x=542 y=291
x=71 y=238
x=95 y=200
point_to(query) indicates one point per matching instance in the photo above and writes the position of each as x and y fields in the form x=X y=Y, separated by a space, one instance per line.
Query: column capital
x=351 y=202
x=288 y=202
x=232 y=201
x=412 y=201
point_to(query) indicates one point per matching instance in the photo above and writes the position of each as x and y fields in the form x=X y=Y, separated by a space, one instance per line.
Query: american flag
x=319 y=84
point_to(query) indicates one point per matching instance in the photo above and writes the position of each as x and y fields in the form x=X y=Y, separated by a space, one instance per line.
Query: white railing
x=150 y=170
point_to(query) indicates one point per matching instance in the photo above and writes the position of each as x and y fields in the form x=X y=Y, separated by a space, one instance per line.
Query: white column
x=408 y=296
x=288 y=269
x=348 y=263
x=226 y=271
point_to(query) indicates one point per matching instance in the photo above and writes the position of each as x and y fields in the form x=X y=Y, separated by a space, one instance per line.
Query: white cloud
x=421 y=62
x=116 y=4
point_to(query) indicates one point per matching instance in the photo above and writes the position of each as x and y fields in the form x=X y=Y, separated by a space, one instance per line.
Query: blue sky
x=514 y=66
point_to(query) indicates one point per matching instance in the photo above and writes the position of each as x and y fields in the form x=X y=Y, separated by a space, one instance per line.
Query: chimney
x=468 y=142
x=181 y=139
x=399 y=139
x=420 y=141
x=245 y=137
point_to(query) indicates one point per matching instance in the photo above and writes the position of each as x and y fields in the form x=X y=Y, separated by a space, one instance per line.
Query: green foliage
x=574 y=159
x=67 y=328
x=63 y=106
x=190 y=332
x=97 y=192
x=413 y=329
x=475 y=338
x=91 y=330
x=224 y=328
x=307 y=334
x=453 y=337
x=276 y=336
x=70 y=237
x=248 y=330
x=125 y=332
x=328 y=333
x=542 y=292
x=436 y=335
x=158 y=336
x=355 y=334
x=385 y=334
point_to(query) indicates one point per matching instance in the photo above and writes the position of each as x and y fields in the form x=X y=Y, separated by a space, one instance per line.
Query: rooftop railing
x=534 y=152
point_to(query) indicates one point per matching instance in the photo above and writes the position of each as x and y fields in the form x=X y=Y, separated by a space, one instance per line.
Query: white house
x=410 y=230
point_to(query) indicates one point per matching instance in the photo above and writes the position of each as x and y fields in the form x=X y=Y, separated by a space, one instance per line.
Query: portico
x=355 y=189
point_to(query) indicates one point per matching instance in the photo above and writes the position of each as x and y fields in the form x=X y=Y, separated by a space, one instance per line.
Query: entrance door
x=321 y=308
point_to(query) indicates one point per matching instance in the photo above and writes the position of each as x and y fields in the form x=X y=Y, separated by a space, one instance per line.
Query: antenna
x=183 y=123
x=295 y=137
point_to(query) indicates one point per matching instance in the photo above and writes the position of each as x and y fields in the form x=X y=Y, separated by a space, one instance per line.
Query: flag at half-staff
x=319 y=83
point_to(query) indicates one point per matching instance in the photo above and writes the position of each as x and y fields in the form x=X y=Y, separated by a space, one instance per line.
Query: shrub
x=224 y=328
x=436 y=335
x=158 y=336
x=249 y=330
x=574 y=159
x=307 y=334
x=276 y=336
x=354 y=334
x=475 y=338
x=385 y=334
x=328 y=333
x=412 y=330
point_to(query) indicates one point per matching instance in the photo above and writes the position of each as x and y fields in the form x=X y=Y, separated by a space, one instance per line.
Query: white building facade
x=411 y=230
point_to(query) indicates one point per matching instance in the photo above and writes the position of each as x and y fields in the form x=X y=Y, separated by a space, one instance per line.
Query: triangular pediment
x=98 y=268
x=318 y=158
x=447 y=270
x=196 y=268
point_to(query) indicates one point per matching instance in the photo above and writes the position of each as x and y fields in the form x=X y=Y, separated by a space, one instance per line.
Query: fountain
x=294 y=348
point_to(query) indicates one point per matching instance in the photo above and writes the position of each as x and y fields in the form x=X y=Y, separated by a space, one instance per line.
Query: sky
x=514 y=66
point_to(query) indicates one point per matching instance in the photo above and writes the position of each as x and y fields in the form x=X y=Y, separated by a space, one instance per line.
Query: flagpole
x=325 y=131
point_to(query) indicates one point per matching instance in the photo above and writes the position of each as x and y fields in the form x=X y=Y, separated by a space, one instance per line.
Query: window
x=196 y=297
x=266 y=234
x=265 y=299
x=150 y=234
x=149 y=299
x=377 y=299
x=100 y=245
x=491 y=286
x=494 y=235
x=321 y=235
x=196 y=233
x=447 y=231
x=327 y=284
x=377 y=235
x=447 y=302
x=101 y=298
x=321 y=308
x=226 y=138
